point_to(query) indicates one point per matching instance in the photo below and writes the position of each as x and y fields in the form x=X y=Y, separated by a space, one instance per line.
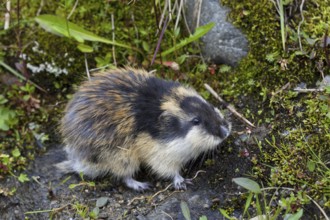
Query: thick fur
x=123 y=118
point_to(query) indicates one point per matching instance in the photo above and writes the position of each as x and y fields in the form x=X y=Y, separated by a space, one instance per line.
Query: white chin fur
x=168 y=158
x=192 y=145
x=200 y=140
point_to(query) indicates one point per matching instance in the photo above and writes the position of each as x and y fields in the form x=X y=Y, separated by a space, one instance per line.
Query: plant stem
x=281 y=10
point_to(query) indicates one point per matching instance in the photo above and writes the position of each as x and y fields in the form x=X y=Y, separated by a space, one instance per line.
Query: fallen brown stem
x=229 y=107
x=198 y=172
x=281 y=89
x=157 y=193
x=136 y=198
x=307 y=90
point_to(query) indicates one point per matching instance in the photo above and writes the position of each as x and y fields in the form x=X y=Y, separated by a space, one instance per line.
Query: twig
x=185 y=20
x=54 y=210
x=198 y=172
x=276 y=6
x=320 y=208
x=299 y=90
x=178 y=14
x=160 y=40
x=157 y=193
x=168 y=215
x=42 y=3
x=7 y=15
x=300 y=23
x=86 y=65
x=229 y=107
x=135 y=198
x=162 y=16
x=169 y=9
x=37 y=181
x=113 y=39
x=319 y=66
x=73 y=9
x=281 y=89
x=199 y=9
x=189 y=31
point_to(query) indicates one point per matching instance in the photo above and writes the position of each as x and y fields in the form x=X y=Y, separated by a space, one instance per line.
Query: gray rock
x=224 y=44
x=165 y=210
x=102 y=201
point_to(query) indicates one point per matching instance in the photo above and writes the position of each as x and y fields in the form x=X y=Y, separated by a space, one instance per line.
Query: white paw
x=136 y=185
x=180 y=183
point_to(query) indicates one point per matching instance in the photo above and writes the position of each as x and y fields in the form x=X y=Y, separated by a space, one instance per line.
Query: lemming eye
x=196 y=121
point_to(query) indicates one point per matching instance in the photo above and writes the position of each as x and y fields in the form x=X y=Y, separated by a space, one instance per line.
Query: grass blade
x=185 y=210
x=62 y=27
x=20 y=76
x=200 y=32
x=248 y=184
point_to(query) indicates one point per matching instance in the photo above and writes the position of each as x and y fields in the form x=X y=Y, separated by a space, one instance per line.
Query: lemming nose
x=224 y=132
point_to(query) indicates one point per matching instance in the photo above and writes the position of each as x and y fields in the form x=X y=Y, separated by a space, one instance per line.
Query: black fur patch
x=172 y=127
x=209 y=119
x=147 y=105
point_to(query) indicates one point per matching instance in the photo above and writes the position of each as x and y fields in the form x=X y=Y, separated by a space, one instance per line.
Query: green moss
x=298 y=145
x=18 y=147
x=260 y=22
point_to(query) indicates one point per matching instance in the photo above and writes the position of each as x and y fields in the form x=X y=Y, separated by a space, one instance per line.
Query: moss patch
x=298 y=146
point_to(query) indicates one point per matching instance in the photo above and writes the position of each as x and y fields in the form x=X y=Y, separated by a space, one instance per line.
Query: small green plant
x=81 y=209
x=7 y=118
x=225 y=68
x=264 y=206
x=6 y=191
x=7 y=115
x=199 y=32
x=23 y=178
x=21 y=132
x=84 y=212
x=82 y=183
